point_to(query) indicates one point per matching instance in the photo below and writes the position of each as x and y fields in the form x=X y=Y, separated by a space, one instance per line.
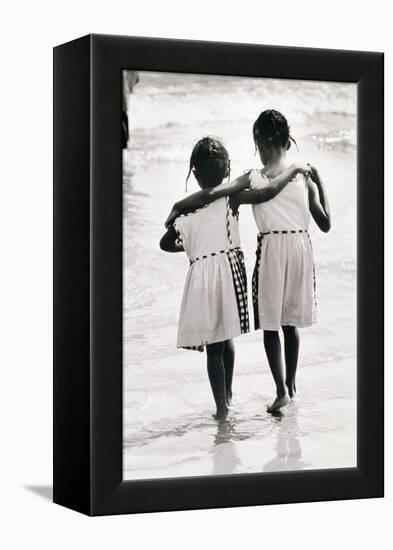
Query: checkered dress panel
x=255 y=281
x=239 y=275
x=238 y=268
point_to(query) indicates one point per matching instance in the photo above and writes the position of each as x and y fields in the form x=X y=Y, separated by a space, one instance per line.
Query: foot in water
x=221 y=414
x=229 y=398
x=278 y=403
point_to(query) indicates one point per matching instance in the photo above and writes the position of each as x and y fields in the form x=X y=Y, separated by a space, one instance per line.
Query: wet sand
x=173 y=434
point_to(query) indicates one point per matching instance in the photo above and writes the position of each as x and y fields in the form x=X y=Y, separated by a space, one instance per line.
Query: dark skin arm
x=206 y=196
x=235 y=187
x=169 y=241
x=253 y=196
x=256 y=196
x=319 y=205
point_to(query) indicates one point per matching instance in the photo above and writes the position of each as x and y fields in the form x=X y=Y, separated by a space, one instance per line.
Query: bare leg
x=291 y=342
x=272 y=343
x=216 y=372
x=229 y=362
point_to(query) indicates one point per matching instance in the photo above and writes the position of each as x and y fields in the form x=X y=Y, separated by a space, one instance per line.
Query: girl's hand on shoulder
x=303 y=168
x=174 y=213
x=314 y=174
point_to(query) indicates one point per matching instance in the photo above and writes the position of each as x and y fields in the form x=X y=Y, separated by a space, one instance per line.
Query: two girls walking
x=205 y=225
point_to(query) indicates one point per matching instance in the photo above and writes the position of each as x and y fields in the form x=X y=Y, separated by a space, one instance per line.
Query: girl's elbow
x=163 y=245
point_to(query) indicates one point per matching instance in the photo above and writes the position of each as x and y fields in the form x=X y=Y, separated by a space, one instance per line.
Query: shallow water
x=168 y=429
x=171 y=431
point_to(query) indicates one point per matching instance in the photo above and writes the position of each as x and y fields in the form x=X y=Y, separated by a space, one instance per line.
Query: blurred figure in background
x=130 y=79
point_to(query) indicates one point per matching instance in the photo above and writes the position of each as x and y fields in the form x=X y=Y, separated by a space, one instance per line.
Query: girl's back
x=284 y=275
x=209 y=230
x=289 y=210
x=214 y=306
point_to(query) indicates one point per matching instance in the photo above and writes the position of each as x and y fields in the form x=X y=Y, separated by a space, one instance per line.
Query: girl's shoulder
x=301 y=179
x=190 y=215
x=257 y=179
x=199 y=213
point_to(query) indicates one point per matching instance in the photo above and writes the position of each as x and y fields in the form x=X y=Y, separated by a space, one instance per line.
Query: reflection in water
x=224 y=452
x=288 y=448
x=283 y=426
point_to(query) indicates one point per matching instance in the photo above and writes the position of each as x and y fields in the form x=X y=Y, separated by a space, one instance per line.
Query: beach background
x=167 y=403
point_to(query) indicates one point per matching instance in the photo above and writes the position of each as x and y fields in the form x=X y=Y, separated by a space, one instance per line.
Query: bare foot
x=229 y=398
x=278 y=403
x=221 y=414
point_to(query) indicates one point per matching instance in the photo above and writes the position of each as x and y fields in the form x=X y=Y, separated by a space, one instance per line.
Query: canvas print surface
x=239 y=316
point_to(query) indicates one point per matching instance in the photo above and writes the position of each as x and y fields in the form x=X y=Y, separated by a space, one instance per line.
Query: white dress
x=214 y=306
x=284 y=287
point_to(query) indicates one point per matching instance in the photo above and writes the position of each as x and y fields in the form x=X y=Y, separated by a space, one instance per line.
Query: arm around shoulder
x=210 y=194
x=268 y=192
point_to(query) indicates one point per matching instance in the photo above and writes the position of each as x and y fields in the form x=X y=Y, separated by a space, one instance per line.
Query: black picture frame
x=88 y=275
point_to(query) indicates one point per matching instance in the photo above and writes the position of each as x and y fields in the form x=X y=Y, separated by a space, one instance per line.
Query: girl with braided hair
x=284 y=276
x=214 y=307
x=284 y=285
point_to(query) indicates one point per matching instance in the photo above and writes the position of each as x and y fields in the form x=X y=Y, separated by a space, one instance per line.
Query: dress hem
x=202 y=341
